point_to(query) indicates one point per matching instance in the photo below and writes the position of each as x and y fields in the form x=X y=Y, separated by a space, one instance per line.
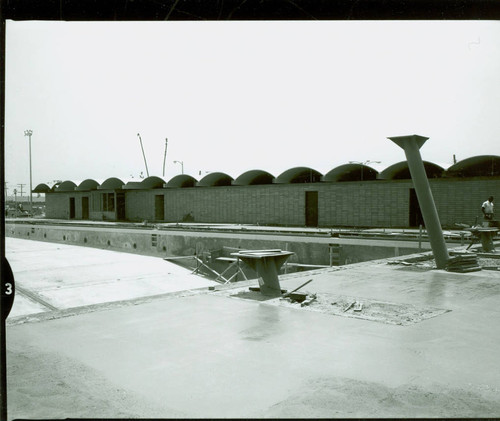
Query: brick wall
x=269 y=204
x=339 y=204
x=139 y=205
x=57 y=206
x=459 y=201
x=368 y=204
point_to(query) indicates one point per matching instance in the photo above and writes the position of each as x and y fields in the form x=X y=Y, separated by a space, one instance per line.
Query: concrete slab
x=25 y=306
x=208 y=354
x=65 y=276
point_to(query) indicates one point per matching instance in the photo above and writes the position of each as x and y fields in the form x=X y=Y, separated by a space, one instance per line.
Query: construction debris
x=358 y=306
x=257 y=289
x=297 y=296
x=348 y=306
x=309 y=300
x=463 y=263
x=296 y=289
x=399 y=262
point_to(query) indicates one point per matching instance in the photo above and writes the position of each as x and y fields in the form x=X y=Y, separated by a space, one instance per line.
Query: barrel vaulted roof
x=181 y=180
x=111 y=183
x=351 y=172
x=215 y=179
x=42 y=188
x=87 y=185
x=400 y=171
x=299 y=175
x=476 y=166
x=253 y=177
x=65 y=186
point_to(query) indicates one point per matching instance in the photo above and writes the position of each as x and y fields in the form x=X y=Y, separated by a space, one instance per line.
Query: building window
x=108 y=202
x=96 y=202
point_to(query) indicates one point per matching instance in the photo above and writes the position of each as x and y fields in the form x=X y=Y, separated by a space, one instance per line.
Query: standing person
x=487 y=209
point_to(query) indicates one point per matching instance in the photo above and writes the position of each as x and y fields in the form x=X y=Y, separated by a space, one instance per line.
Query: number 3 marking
x=9 y=288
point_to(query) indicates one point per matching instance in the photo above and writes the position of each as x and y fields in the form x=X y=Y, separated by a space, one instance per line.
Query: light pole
x=182 y=165
x=362 y=164
x=29 y=133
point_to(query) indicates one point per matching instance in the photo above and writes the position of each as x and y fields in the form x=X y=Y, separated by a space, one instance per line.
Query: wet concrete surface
x=207 y=354
x=57 y=276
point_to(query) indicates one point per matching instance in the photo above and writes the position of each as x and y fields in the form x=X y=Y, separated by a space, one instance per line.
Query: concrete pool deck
x=166 y=346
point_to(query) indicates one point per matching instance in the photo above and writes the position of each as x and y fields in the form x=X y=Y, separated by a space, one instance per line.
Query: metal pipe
x=143 y=154
x=411 y=145
x=165 y=156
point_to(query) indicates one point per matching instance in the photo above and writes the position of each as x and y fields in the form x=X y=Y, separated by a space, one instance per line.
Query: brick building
x=351 y=195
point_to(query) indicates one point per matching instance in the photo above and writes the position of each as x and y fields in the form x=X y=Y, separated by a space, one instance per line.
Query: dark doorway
x=416 y=218
x=85 y=207
x=159 y=207
x=120 y=206
x=71 y=208
x=311 y=208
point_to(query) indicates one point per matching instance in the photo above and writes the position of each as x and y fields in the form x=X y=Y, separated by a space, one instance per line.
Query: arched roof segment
x=476 y=166
x=253 y=177
x=181 y=180
x=111 y=183
x=400 y=171
x=298 y=175
x=133 y=185
x=66 y=186
x=351 y=172
x=152 y=182
x=42 y=188
x=215 y=179
x=87 y=185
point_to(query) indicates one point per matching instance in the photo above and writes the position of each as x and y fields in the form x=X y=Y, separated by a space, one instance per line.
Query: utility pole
x=165 y=156
x=145 y=163
x=29 y=133
x=21 y=193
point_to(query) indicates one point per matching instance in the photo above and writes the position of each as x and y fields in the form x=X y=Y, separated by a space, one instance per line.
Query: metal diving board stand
x=267 y=264
x=235 y=262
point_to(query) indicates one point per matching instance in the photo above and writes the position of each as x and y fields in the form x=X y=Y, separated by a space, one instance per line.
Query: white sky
x=237 y=96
